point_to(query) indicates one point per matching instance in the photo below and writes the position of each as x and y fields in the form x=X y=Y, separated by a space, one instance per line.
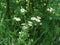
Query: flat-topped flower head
x=19 y=32
x=16 y=19
x=23 y=10
x=38 y=17
x=51 y=10
x=23 y=24
x=38 y=20
x=25 y=27
x=30 y=23
x=33 y=18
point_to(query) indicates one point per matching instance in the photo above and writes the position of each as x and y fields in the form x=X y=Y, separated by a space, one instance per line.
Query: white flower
x=51 y=10
x=22 y=10
x=29 y=23
x=48 y=9
x=23 y=24
x=25 y=27
x=33 y=18
x=37 y=20
x=19 y=32
x=38 y=17
x=17 y=19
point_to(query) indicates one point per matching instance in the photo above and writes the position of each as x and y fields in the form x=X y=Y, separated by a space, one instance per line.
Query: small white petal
x=25 y=27
x=33 y=18
x=19 y=32
x=51 y=10
x=22 y=10
x=23 y=24
x=37 y=20
x=17 y=19
x=29 y=22
x=38 y=17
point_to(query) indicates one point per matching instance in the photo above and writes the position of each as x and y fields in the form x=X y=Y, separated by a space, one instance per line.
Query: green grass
x=29 y=22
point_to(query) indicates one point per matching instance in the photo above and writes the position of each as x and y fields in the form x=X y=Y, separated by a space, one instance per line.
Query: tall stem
x=8 y=9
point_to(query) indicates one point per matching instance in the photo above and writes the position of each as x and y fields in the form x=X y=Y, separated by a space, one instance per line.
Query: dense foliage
x=29 y=22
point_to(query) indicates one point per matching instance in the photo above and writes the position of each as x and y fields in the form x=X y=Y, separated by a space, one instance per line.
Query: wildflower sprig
x=17 y=19
x=37 y=19
x=22 y=10
x=51 y=10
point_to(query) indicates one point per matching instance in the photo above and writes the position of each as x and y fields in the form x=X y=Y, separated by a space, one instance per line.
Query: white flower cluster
x=37 y=19
x=51 y=10
x=16 y=19
x=24 y=26
x=30 y=23
x=23 y=10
